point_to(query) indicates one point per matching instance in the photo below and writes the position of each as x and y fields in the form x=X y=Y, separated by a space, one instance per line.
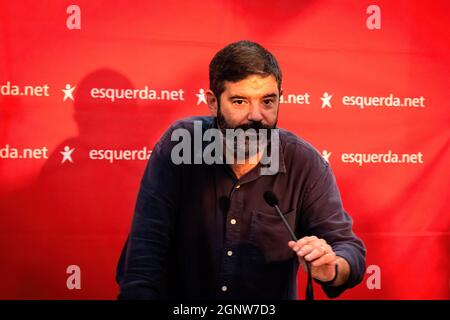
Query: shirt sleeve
x=140 y=271
x=323 y=216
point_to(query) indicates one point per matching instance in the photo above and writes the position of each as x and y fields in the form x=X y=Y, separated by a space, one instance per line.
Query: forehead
x=252 y=85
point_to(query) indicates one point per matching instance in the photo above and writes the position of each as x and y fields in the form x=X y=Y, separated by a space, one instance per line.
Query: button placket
x=232 y=239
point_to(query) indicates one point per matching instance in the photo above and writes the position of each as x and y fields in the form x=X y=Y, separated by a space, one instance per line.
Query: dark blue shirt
x=198 y=232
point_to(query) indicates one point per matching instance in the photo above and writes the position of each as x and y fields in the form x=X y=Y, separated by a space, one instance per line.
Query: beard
x=245 y=136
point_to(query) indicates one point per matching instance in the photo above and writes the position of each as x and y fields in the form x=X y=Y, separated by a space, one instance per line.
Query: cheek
x=271 y=115
x=233 y=114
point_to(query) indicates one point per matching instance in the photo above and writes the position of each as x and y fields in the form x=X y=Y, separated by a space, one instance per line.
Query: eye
x=268 y=102
x=238 y=102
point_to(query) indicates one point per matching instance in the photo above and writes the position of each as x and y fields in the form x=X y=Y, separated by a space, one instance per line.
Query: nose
x=254 y=113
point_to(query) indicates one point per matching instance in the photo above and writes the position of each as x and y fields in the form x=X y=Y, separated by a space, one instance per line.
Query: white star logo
x=326 y=155
x=326 y=100
x=67 y=154
x=68 y=92
x=201 y=97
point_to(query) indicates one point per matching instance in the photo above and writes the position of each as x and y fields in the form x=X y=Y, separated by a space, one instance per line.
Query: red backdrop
x=58 y=210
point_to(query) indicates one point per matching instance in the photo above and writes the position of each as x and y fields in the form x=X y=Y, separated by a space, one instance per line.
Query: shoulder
x=189 y=123
x=300 y=154
x=294 y=144
x=180 y=129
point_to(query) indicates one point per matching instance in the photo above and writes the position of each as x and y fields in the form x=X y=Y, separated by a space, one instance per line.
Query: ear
x=212 y=102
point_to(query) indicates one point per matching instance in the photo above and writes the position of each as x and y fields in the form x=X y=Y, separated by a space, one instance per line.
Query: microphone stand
x=309 y=287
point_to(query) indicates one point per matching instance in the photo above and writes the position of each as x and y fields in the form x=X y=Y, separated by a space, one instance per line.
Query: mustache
x=256 y=125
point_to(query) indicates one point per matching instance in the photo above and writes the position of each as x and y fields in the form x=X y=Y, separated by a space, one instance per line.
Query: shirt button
x=238 y=186
x=224 y=288
x=230 y=253
x=233 y=221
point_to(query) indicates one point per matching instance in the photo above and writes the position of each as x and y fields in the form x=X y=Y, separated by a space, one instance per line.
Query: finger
x=328 y=258
x=299 y=244
x=305 y=240
x=322 y=244
x=315 y=254
x=318 y=244
x=295 y=247
x=306 y=249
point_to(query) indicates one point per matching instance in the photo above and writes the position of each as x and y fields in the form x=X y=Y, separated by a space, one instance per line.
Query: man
x=202 y=230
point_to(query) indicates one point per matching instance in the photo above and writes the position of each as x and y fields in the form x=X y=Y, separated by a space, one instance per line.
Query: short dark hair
x=237 y=61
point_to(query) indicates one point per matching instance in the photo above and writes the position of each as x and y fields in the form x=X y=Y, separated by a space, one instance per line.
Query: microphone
x=272 y=200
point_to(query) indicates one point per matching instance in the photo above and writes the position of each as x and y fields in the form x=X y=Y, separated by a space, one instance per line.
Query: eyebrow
x=270 y=95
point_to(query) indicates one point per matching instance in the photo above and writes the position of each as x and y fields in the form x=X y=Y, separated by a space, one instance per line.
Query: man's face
x=252 y=104
x=249 y=103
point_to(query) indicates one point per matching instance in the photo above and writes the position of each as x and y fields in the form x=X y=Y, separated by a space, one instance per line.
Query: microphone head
x=270 y=198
